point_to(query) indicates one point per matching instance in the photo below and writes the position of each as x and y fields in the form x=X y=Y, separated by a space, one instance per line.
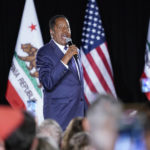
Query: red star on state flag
x=33 y=27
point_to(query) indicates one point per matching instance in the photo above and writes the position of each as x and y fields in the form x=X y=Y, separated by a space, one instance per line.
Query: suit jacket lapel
x=57 y=51
x=60 y=54
x=72 y=69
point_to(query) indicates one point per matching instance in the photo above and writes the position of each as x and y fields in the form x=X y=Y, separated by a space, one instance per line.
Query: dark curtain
x=125 y=23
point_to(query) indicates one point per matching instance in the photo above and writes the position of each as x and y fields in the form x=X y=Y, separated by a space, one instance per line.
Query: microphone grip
x=75 y=56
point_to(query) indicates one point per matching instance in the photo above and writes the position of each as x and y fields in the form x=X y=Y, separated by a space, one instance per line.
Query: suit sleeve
x=50 y=71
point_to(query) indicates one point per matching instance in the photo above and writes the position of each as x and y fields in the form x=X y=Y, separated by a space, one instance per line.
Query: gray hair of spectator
x=44 y=144
x=50 y=128
x=103 y=117
x=105 y=106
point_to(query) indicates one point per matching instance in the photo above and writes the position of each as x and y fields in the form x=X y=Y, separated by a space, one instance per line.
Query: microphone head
x=68 y=40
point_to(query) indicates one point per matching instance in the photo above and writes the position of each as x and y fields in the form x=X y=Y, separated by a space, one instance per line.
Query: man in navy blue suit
x=61 y=75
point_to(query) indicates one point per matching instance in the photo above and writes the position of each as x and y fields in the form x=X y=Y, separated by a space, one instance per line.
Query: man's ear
x=51 y=32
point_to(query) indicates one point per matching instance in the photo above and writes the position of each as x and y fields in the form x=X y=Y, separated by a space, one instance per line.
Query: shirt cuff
x=64 y=64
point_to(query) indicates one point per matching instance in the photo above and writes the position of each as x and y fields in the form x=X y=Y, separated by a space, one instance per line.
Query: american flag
x=97 y=70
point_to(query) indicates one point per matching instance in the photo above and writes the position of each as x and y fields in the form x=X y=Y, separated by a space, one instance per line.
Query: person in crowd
x=17 y=129
x=51 y=129
x=131 y=127
x=45 y=144
x=60 y=72
x=80 y=141
x=102 y=122
x=73 y=127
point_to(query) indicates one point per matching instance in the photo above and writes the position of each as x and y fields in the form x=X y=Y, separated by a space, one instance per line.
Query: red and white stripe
x=97 y=70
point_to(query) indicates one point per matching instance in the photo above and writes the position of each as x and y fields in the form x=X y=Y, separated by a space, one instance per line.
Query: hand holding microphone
x=69 y=43
x=71 y=52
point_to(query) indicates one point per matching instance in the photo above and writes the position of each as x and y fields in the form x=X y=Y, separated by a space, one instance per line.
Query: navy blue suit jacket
x=63 y=90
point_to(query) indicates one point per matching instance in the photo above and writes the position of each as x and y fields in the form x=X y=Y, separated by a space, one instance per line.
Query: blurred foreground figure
x=45 y=144
x=80 y=141
x=131 y=131
x=51 y=130
x=74 y=126
x=103 y=119
x=17 y=129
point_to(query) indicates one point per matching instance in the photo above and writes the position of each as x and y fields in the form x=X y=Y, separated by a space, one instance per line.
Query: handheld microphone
x=69 y=42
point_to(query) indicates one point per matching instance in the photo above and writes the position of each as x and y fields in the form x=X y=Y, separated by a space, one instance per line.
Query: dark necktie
x=74 y=65
x=66 y=47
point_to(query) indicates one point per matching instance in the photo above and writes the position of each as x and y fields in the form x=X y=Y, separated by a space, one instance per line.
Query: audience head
x=73 y=127
x=17 y=129
x=45 y=144
x=103 y=118
x=22 y=138
x=80 y=141
x=50 y=128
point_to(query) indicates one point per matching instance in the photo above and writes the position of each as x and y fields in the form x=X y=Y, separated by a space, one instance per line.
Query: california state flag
x=24 y=90
x=145 y=80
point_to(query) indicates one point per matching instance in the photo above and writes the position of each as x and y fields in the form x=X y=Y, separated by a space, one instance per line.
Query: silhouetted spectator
x=74 y=127
x=44 y=144
x=17 y=129
x=103 y=119
x=51 y=129
x=80 y=141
